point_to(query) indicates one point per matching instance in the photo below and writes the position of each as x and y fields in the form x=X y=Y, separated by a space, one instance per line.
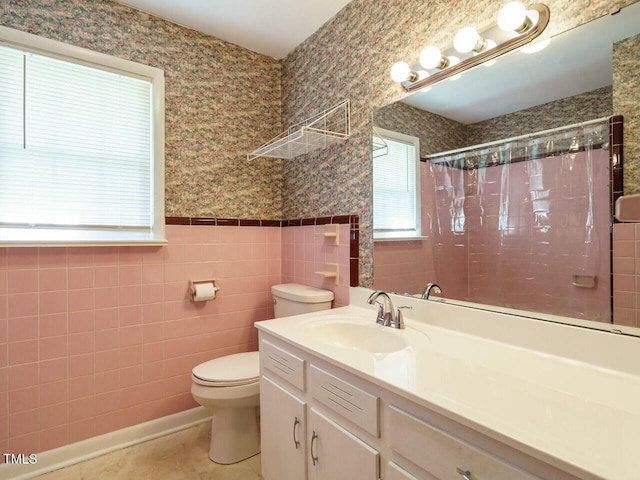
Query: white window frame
x=396 y=235
x=82 y=56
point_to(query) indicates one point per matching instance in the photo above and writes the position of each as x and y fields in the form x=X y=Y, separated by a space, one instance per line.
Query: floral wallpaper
x=439 y=134
x=626 y=85
x=350 y=57
x=579 y=108
x=436 y=133
x=222 y=101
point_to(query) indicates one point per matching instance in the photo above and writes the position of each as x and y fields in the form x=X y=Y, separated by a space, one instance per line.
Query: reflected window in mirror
x=396 y=198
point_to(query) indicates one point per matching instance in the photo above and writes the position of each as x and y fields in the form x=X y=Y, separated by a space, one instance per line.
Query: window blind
x=75 y=145
x=394 y=189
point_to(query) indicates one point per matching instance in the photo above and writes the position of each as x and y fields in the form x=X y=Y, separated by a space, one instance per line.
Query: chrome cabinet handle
x=314 y=459
x=465 y=474
x=296 y=442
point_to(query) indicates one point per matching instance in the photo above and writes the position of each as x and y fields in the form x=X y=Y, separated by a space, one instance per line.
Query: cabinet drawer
x=283 y=364
x=443 y=455
x=352 y=403
x=398 y=473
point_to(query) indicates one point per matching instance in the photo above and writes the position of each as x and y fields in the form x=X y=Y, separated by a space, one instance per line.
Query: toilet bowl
x=230 y=386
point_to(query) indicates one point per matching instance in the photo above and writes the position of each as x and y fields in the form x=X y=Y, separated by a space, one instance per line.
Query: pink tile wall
x=528 y=236
x=97 y=339
x=512 y=238
x=305 y=251
x=626 y=274
x=403 y=266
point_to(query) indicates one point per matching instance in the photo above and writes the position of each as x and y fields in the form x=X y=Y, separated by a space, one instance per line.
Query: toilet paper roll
x=203 y=291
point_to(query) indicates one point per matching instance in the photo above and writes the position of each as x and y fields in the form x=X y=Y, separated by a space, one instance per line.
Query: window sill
x=34 y=237
x=400 y=239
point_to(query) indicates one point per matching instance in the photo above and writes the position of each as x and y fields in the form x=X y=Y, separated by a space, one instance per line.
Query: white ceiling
x=575 y=62
x=270 y=27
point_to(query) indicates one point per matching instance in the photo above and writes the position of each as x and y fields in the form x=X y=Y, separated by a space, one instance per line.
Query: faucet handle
x=381 y=317
x=399 y=323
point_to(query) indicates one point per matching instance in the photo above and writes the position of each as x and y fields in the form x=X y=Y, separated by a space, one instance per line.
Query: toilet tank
x=295 y=299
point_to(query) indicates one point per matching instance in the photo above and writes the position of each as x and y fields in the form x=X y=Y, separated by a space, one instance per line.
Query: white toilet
x=230 y=385
x=294 y=299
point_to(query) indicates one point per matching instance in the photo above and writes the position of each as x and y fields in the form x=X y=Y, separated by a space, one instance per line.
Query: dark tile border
x=221 y=222
x=352 y=220
x=616 y=185
x=616 y=157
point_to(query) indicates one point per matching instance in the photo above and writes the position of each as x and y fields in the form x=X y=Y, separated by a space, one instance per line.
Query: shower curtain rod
x=513 y=139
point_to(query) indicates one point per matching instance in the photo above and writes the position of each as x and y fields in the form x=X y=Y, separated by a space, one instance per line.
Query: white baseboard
x=94 y=447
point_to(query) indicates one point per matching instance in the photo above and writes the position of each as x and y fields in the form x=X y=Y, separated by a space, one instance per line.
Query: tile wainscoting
x=626 y=274
x=95 y=339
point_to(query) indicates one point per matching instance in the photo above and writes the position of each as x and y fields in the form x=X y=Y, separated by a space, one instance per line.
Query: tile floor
x=179 y=456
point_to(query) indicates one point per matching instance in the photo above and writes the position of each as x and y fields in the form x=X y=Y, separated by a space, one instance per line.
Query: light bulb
x=431 y=57
x=512 y=17
x=468 y=39
x=400 y=72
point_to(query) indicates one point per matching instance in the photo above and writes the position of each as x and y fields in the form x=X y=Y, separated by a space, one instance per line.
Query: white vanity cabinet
x=321 y=421
x=298 y=441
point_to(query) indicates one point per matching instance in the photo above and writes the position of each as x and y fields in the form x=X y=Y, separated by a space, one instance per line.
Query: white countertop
x=564 y=411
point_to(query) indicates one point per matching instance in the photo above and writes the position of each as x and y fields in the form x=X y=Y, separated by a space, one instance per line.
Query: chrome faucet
x=387 y=315
x=427 y=290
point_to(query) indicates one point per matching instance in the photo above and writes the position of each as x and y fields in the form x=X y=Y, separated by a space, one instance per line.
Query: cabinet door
x=282 y=433
x=336 y=454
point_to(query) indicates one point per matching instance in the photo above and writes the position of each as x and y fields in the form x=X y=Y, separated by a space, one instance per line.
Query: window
x=81 y=145
x=396 y=186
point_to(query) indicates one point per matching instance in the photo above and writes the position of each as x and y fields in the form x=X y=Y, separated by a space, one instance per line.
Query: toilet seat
x=228 y=371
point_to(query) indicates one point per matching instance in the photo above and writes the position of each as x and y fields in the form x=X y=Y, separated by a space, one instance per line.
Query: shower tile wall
x=455 y=247
x=403 y=266
x=523 y=233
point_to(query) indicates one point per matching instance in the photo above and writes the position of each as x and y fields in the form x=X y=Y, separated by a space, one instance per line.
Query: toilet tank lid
x=301 y=293
x=230 y=368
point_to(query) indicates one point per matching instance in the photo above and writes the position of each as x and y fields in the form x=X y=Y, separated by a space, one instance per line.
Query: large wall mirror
x=514 y=179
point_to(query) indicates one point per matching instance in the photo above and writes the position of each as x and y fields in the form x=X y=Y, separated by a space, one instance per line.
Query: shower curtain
x=525 y=224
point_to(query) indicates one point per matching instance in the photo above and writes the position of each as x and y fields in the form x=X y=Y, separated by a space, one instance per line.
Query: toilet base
x=235 y=434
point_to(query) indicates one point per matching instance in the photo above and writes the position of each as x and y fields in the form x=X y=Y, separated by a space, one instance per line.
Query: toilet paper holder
x=198 y=288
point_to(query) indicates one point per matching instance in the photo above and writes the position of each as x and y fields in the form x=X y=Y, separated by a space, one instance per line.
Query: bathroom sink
x=371 y=338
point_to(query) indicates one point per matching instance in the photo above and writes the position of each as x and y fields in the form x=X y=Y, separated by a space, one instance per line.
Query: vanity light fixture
x=523 y=23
